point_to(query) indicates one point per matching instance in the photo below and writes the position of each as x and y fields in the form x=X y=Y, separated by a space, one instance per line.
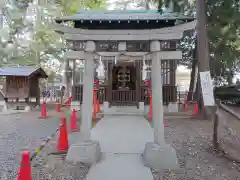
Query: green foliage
x=175 y=5
x=44 y=43
x=223 y=34
x=73 y=6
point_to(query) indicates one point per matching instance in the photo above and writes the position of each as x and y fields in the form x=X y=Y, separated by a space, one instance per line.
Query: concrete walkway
x=122 y=140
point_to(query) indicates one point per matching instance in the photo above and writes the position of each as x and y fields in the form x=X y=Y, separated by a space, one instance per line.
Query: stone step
x=184 y=114
x=125 y=113
x=177 y=117
x=131 y=110
x=178 y=113
x=114 y=110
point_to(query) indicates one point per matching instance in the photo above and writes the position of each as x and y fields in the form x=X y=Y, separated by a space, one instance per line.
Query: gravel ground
x=50 y=165
x=198 y=161
x=21 y=132
x=191 y=139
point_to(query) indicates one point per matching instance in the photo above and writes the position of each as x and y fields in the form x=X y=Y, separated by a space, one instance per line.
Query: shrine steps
x=124 y=110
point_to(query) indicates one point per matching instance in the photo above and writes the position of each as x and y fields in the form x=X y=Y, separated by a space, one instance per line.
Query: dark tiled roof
x=105 y=15
x=22 y=71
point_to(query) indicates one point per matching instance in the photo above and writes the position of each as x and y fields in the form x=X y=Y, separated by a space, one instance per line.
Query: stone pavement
x=21 y=132
x=122 y=141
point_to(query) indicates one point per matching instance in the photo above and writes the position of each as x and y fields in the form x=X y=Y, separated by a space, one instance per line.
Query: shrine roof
x=123 y=15
x=23 y=71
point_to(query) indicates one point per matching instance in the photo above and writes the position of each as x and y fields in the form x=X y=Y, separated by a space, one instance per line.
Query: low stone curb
x=12 y=112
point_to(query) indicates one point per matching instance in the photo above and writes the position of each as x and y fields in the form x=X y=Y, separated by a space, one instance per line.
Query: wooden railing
x=169 y=94
x=144 y=97
x=78 y=89
x=123 y=97
x=226 y=130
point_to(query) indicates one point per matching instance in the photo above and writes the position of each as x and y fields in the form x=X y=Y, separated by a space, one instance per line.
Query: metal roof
x=22 y=71
x=123 y=15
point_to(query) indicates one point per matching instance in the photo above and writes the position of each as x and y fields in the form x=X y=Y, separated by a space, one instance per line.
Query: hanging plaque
x=79 y=45
x=76 y=45
x=138 y=46
x=107 y=46
x=171 y=45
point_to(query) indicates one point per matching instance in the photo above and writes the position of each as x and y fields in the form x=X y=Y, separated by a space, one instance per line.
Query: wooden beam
x=123 y=37
x=73 y=55
x=164 y=55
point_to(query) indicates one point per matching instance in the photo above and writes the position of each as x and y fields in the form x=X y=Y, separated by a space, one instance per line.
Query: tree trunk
x=230 y=77
x=74 y=79
x=192 y=80
x=202 y=46
x=147 y=7
x=193 y=74
x=198 y=95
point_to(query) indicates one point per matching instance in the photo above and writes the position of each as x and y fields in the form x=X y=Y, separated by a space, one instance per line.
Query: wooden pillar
x=138 y=80
x=109 y=89
x=38 y=93
x=66 y=78
x=74 y=81
x=105 y=63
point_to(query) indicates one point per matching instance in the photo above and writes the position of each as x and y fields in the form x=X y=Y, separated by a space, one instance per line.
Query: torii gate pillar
x=158 y=155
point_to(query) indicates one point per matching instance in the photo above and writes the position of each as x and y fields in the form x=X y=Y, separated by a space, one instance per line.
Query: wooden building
x=124 y=68
x=22 y=84
x=124 y=83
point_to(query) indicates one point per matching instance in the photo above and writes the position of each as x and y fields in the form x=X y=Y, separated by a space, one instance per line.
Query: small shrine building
x=125 y=41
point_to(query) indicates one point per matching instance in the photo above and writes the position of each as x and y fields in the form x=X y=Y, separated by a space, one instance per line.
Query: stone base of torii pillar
x=158 y=155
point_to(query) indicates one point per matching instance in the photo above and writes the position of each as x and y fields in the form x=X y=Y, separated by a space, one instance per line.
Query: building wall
x=17 y=87
x=167 y=72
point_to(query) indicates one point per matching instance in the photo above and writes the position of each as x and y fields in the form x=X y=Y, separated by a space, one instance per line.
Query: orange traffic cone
x=25 y=170
x=195 y=109
x=98 y=106
x=94 y=105
x=94 y=113
x=63 y=136
x=44 y=111
x=58 y=107
x=73 y=122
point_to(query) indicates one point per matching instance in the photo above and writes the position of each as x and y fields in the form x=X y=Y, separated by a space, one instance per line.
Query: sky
x=116 y=4
x=113 y=3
